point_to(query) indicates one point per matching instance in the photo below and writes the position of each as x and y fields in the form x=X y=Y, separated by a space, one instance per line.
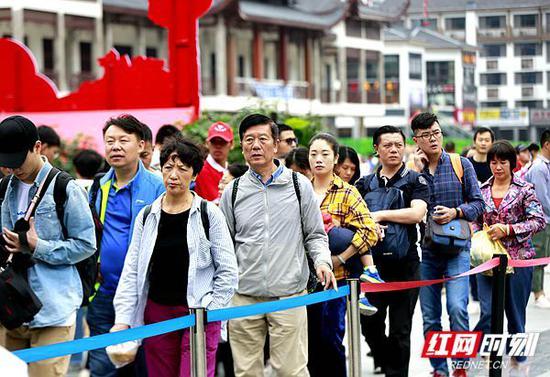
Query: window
x=493 y=51
x=124 y=50
x=494 y=104
x=492 y=64
x=47 y=53
x=455 y=23
x=430 y=23
x=352 y=75
x=240 y=66
x=526 y=20
x=439 y=73
x=151 y=52
x=492 y=22
x=527 y=49
x=391 y=78
x=354 y=28
x=529 y=104
x=528 y=78
x=492 y=93
x=527 y=91
x=548 y=47
x=492 y=79
x=415 y=66
x=548 y=82
x=85 y=57
x=526 y=63
x=372 y=28
x=372 y=85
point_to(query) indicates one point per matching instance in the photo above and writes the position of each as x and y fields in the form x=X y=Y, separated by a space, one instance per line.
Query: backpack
x=87 y=268
x=312 y=280
x=395 y=245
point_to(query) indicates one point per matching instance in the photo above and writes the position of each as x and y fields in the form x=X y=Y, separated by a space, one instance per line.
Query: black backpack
x=87 y=268
x=395 y=244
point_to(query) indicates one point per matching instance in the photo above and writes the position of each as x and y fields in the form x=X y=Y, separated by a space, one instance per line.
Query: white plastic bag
x=122 y=354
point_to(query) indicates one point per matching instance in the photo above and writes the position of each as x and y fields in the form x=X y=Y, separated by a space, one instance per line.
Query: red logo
x=455 y=344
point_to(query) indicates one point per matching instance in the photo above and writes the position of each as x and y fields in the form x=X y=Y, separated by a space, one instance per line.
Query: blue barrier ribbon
x=30 y=355
x=276 y=305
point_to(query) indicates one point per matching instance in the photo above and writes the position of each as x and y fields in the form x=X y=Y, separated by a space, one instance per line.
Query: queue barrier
x=100 y=341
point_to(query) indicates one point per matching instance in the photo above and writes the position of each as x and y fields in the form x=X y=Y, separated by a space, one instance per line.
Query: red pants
x=169 y=355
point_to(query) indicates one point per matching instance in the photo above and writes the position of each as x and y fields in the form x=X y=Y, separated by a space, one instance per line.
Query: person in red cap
x=219 y=143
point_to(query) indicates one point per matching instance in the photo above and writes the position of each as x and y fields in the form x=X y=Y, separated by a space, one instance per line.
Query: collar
x=398 y=175
x=110 y=176
x=273 y=177
x=335 y=183
x=39 y=177
x=543 y=159
x=515 y=181
x=156 y=206
x=215 y=165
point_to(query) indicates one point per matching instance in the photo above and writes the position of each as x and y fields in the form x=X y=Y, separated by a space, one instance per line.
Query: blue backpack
x=395 y=244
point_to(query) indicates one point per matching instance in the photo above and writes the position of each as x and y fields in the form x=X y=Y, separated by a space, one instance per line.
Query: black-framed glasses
x=428 y=135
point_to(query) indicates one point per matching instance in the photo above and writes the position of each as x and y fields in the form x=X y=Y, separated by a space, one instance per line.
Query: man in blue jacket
x=124 y=191
x=54 y=278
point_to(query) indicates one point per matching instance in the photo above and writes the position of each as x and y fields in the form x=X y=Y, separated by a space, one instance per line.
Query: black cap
x=520 y=148
x=17 y=136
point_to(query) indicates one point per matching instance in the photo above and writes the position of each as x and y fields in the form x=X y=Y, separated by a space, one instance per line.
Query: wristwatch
x=342 y=260
x=457 y=213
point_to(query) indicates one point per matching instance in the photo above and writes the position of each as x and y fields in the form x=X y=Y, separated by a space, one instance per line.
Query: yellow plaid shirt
x=344 y=203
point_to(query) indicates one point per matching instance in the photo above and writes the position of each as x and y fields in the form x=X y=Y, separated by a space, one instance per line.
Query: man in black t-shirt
x=391 y=353
x=483 y=140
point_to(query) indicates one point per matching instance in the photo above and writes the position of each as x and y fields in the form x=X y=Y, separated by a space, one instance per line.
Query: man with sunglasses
x=287 y=140
x=454 y=194
x=54 y=277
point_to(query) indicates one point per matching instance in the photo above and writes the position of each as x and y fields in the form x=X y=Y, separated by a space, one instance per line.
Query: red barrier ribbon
x=490 y=264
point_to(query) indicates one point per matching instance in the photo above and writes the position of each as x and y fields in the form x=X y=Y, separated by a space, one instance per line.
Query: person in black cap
x=524 y=157
x=55 y=254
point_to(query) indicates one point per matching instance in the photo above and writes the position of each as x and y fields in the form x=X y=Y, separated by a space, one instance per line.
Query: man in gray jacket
x=272 y=230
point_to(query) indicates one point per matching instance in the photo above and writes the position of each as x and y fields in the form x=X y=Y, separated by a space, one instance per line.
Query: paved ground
x=538 y=320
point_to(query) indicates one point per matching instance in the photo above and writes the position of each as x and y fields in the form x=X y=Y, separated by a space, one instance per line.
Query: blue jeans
x=326 y=329
x=101 y=317
x=516 y=296
x=436 y=266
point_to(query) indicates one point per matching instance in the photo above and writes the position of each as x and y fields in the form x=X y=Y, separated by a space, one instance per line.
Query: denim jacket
x=54 y=278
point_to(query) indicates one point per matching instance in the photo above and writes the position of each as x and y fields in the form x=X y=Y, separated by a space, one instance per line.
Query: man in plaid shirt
x=452 y=197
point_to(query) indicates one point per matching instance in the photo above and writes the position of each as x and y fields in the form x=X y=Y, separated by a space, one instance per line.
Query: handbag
x=447 y=239
x=484 y=248
x=18 y=302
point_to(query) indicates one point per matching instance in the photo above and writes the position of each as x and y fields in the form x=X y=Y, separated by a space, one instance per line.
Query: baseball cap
x=17 y=135
x=520 y=148
x=220 y=129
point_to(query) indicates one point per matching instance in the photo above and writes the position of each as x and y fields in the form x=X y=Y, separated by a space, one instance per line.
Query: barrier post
x=198 y=344
x=354 y=335
x=497 y=310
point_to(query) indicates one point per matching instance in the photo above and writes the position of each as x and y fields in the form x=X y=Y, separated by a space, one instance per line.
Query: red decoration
x=138 y=83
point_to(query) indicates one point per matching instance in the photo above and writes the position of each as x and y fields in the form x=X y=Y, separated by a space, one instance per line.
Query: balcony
x=493 y=35
x=456 y=34
x=271 y=89
x=526 y=32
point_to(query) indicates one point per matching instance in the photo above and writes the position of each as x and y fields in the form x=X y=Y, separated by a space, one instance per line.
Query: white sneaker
x=542 y=303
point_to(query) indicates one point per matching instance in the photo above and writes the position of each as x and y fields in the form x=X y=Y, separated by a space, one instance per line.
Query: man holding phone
x=453 y=195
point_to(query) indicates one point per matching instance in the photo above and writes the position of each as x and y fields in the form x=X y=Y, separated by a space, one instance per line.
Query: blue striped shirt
x=446 y=189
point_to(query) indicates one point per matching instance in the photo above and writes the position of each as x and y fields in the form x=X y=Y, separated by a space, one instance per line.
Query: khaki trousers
x=23 y=337
x=287 y=340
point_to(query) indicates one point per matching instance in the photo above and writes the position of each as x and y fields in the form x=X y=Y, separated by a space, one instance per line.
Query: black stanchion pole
x=497 y=311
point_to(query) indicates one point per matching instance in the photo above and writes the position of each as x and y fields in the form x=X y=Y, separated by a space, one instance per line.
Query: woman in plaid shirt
x=351 y=231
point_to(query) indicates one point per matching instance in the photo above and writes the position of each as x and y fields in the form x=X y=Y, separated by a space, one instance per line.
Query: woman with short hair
x=176 y=262
x=513 y=214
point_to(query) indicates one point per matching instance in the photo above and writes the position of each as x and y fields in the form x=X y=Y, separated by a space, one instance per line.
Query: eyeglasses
x=290 y=140
x=427 y=136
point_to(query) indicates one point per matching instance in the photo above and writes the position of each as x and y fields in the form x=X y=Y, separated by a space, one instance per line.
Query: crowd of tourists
x=158 y=226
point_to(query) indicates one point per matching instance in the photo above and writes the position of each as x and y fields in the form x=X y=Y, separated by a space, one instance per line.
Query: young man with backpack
x=273 y=226
x=57 y=243
x=397 y=198
x=455 y=200
x=122 y=192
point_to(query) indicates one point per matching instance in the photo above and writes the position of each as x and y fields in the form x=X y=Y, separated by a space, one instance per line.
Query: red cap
x=220 y=129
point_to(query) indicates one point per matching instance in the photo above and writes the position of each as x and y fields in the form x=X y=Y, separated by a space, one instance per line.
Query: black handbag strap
x=40 y=193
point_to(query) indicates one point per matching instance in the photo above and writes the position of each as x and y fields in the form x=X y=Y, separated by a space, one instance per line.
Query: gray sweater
x=266 y=227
